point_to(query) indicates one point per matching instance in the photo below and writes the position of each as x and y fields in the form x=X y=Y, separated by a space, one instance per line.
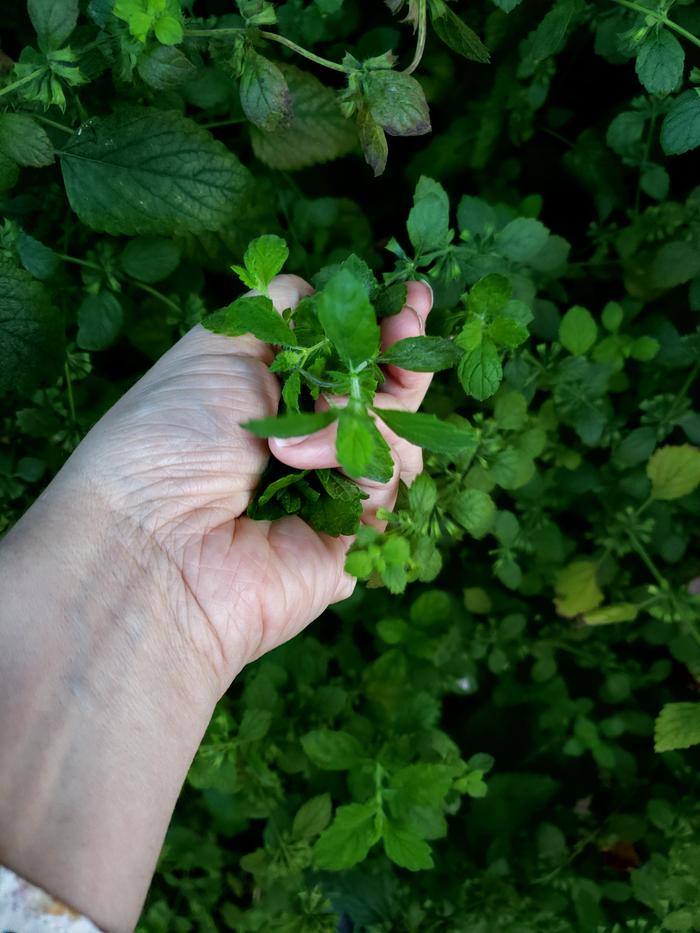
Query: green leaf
x=150 y=171
x=9 y=173
x=397 y=103
x=429 y=219
x=361 y=449
x=522 y=239
x=475 y=511
x=317 y=132
x=348 y=839
x=677 y=726
x=405 y=848
x=264 y=259
x=420 y=785
x=455 y=33
x=252 y=314
x=442 y=437
x=24 y=141
x=675 y=263
x=348 y=318
x=265 y=96
x=548 y=39
x=312 y=817
x=31 y=332
x=606 y=615
x=53 y=20
x=489 y=294
x=373 y=141
x=506 y=332
x=149 y=259
x=333 y=751
x=390 y=299
x=624 y=134
x=100 y=320
x=578 y=331
x=422 y=354
x=577 y=589
x=164 y=67
x=660 y=62
x=36 y=258
x=480 y=371
x=295 y=424
x=680 y=131
x=674 y=471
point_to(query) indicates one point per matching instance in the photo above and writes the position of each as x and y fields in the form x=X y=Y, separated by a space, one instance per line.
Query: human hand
x=176 y=472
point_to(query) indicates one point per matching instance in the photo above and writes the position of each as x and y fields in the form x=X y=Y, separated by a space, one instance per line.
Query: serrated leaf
x=36 y=258
x=348 y=839
x=578 y=331
x=373 y=141
x=149 y=171
x=348 y=318
x=150 y=259
x=422 y=354
x=31 y=332
x=489 y=294
x=660 y=61
x=295 y=424
x=265 y=96
x=677 y=726
x=674 y=471
x=475 y=511
x=428 y=431
x=480 y=371
x=397 y=103
x=577 y=589
x=53 y=20
x=406 y=849
x=164 y=67
x=455 y=33
x=24 y=141
x=254 y=314
x=333 y=750
x=361 y=449
x=428 y=222
x=312 y=817
x=317 y=131
x=521 y=239
x=100 y=319
x=680 y=131
x=264 y=259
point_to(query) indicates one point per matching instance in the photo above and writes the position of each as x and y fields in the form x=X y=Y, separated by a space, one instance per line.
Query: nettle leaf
x=480 y=371
x=406 y=848
x=674 y=471
x=677 y=726
x=522 y=239
x=660 y=62
x=53 y=20
x=373 y=141
x=428 y=222
x=489 y=294
x=252 y=314
x=442 y=437
x=578 y=331
x=24 y=141
x=348 y=318
x=264 y=259
x=333 y=750
x=31 y=331
x=295 y=424
x=397 y=103
x=455 y=33
x=150 y=171
x=100 y=320
x=150 y=259
x=577 y=588
x=316 y=132
x=348 y=839
x=265 y=96
x=475 y=511
x=361 y=449
x=680 y=131
x=164 y=67
x=422 y=354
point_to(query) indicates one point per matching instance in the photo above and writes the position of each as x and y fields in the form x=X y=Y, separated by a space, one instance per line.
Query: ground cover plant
x=496 y=733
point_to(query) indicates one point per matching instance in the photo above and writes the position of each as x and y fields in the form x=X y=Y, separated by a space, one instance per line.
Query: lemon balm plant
x=491 y=734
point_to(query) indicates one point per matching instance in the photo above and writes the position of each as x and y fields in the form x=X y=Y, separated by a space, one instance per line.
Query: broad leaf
x=455 y=33
x=348 y=839
x=265 y=96
x=680 y=131
x=406 y=849
x=480 y=371
x=164 y=67
x=475 y=511
x=397 y=103
x=577 y=588
x=348 y=318
x=422 y=354
x=578 y=331
x=677 y=726
x=361 y=449
x=252 y=314
x=312 y=817
x=53 y=20
x=660 y=61
x=24 y=141
x=333 y=751
x=296 y=424
x=100 y=319
x=264 y=259
x=674 y=471
x=442 y=437
x=149 y=259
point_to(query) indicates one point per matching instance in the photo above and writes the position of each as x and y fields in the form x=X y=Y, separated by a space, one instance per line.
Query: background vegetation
x=468 y=743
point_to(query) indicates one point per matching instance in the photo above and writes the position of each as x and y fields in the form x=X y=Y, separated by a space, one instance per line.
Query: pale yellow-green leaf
x=620 y=612
x=674 y=471
x=577 y=589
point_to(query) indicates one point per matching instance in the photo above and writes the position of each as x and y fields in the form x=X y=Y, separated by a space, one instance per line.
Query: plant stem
x=422 y=32
x=20 y=81
x=78 y=262
x=644 y=554
x=69 y=390
x=660 y=18
x=156 y=294
x=212 y=33
x=324 y=62
x=216 y=123
x=53 y=123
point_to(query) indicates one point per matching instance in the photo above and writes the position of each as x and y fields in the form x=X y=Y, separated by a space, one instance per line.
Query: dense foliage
x=468 y=743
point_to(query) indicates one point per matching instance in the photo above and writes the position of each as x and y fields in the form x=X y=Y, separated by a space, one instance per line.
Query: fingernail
x=289 y=441
x=421 y=322
x=429 y=287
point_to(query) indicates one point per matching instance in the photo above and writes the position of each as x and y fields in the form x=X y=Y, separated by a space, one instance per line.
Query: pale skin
x=133 y=592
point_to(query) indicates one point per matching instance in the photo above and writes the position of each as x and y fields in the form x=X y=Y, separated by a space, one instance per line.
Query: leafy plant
x=467 y=744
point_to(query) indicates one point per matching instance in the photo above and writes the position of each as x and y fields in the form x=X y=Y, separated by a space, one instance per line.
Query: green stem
x=683 y=391
x=660 y=18
x=69 y=390
x=79 y=262
x=422 y=33
x=212 y=33
x=217 y=123
x=644 y=554
x=53 y=123
x=21 y=81
x=647 y=151
x=156 y=294
x=324 y=62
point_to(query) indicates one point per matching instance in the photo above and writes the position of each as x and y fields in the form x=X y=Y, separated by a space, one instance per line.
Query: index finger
x=408 y=387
